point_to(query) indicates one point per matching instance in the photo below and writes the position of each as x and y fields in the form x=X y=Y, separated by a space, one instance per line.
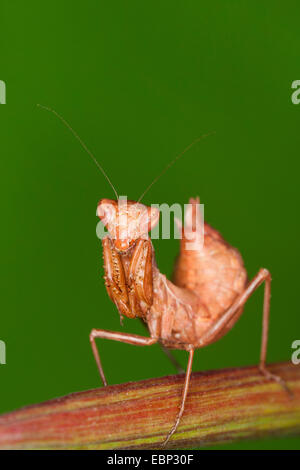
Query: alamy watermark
x=2 y=92
x=129 y=220
x=2 y=352
x=296 y=353
x=295 y=97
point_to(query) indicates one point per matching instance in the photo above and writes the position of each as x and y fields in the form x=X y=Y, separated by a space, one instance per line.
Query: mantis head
x=126 y=221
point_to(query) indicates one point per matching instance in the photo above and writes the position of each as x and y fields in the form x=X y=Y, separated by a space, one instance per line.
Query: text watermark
x=129 y=220
x=2 y=352
x=296 y=353
x=2 y=92
x=295 y=97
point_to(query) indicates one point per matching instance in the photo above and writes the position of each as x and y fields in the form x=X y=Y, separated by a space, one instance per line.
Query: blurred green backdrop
x=139 y=81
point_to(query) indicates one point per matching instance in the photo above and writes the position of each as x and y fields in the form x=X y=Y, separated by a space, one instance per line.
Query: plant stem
x=222 y=406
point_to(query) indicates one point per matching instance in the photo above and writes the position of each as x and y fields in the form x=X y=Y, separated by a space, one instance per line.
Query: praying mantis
x=198 y=307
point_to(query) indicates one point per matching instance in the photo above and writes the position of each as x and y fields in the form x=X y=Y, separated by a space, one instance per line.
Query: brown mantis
x=205 y=299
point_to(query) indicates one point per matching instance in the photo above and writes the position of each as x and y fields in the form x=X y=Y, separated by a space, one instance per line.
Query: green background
x=139 y=81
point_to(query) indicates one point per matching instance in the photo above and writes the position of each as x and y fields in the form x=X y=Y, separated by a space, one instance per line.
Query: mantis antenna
x=173 y=161
x=82 y=144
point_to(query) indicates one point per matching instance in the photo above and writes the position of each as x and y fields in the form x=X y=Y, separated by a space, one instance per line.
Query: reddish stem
x=222 y=406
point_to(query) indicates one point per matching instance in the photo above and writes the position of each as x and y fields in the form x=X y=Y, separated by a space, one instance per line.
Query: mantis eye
x=106 y=211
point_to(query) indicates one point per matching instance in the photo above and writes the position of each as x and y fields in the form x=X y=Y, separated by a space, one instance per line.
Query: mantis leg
x=262 y=276
x=116 y=336
x=172 y=359
x=183 y=399
x=169 y=355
